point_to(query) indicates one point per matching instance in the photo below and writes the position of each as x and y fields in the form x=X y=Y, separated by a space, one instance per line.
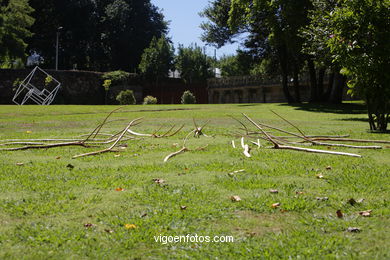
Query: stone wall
x=85 y=88
x=77 y=87
x=169 y=91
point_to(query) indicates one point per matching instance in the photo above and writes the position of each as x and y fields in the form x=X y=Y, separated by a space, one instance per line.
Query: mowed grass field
x=46 y=207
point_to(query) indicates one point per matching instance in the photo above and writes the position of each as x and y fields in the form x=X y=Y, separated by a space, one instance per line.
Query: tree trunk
x=313 y=81
x=286 y=92
x=284 y=71
x=320 y=84
x=329 y=87
x=296 y=85
x=336 y=95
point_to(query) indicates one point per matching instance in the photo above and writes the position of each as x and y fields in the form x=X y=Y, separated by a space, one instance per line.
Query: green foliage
x=150 y=100
x=188 y=98
x=113 y=33
x=216 y=30
x=126 y=97
x=235 y=65
x=107 y=84
x=157 y=59
x=117 y=77
x=48 y=80
x=193 y=64
x=15 y=21
x=360 y=44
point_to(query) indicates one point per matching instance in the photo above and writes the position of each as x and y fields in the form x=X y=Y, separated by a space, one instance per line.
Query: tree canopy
x=193 y=64
x=15 y=21
x=157 y=59
x=345 y=38
x=97 y=34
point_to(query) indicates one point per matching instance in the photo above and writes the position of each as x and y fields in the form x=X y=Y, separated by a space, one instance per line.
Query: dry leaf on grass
x=320 y=176
x=159 y=181
x=231 y=174
x=276 y=205
x=119 y=189
x=88 y=225
x=339 y=214
x=130 y=226
x=109 y=231
x=19 y=164
x=273 y=191
x=366 y=213
x=235 y=198
x=183 y=207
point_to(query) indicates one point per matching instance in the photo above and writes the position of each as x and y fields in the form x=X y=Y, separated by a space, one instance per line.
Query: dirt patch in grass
x=249 y=223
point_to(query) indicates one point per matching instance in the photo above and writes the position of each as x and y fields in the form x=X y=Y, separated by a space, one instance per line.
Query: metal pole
x=58 y=36
x=57 y=43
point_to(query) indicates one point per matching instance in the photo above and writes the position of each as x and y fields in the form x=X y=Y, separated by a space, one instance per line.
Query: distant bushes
x=150 y=100
x=188 y=98
x=117 y=77
x=126 y=97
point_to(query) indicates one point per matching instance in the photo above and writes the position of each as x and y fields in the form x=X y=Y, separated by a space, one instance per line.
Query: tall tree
x=15 y=21
x=360 y=43
x=157 y=59
x=271 y=28
x=193 y=64
x=97 y=34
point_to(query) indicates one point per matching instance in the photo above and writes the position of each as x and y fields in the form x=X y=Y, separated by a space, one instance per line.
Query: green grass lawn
x=44 y=205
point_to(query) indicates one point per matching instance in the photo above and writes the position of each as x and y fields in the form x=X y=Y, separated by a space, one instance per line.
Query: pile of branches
x=298 y=141
x=116 y=142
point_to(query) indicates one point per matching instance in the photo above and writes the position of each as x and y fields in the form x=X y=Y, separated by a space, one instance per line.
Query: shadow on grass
x=345 y=108
x=247 y=105
x=354 y=119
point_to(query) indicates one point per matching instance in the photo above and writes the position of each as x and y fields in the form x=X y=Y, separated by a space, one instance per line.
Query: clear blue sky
x=185 y=21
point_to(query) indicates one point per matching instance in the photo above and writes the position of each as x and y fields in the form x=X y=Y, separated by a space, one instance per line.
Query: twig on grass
x=287 y=147
x=184 y=148
x=109 y=149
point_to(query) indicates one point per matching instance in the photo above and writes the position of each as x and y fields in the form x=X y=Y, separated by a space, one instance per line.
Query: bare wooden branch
x=46 y=146
x=110 y=149
x=351 y=140
x=278 y=146
x=262 y=130
x=182 y=150
x=155 y=135
x=316 y=151
x=198 y=131
x=97 y=130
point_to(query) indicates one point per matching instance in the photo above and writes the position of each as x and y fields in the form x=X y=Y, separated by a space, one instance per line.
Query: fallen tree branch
x=316 y=151
x=278 y=146
x=351 y=140
x=110 y=149
x=46 y=146
x=182 y=150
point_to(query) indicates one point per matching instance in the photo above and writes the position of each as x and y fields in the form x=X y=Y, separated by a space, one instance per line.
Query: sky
x=185 y=21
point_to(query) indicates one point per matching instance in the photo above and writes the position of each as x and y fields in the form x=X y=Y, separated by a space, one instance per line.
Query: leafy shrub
x=117 y=77
x=107 y=84
x=126 y=97
x=150 y=100
x=188 y=98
